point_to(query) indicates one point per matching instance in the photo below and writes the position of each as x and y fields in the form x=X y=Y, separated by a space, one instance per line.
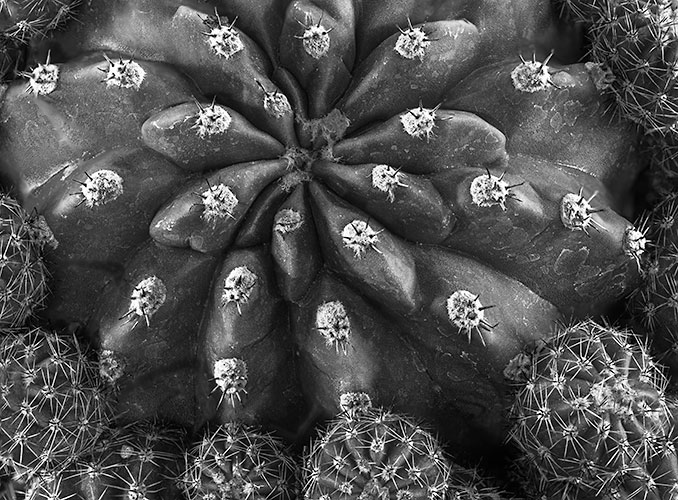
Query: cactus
x=593 y=418
x=23 y=237
x=271 y=194
x=234 y=461
x=52 y=405
x=136 y=462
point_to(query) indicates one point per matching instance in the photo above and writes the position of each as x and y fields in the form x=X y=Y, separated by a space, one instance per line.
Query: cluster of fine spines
x=24 y=20
x=593 y=420
x=239 y=462
x=52 y=405
x=22 y=272
x=375 y=454
x=654 y=305
x=137 y=462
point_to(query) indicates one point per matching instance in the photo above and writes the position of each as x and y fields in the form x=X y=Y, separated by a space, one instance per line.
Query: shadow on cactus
x=270 y=192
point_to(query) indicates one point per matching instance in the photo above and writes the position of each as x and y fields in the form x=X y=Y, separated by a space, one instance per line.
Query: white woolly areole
x=575 y=212
x=359 y=236
x=43 y=79
x=634 y=242
x=419 y=122
x=111 y=367
x=101 y=187
x=276 y=104
x=531 y=76
x=287 y=221
x=354 y=403
x=224 y=41
x=147 y=297
x=218 y=202
x=333 y=323
x=316 y=41
x=212 y=120
x=489 y=190
x=230 y=375
x=465 y=310
x=126 y=452
x=386 y=179
x=124 y=73
x=412 y=43
x=238 y=286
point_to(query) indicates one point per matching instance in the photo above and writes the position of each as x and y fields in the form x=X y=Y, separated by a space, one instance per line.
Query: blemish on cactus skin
x=230 y=375
x=359 y=236
x=101 y=187
x=315 y=39
x=218 y=202
x=211 y=120
x=532 y=76
x=466 y=312
x=419 y=122
x=223 y=40
x=412 y=42
x=147 y=297
x=576 y=212
x=123 y=73
x=334 y=325
x=387 y=179
x=238 y=287
x=288 y=221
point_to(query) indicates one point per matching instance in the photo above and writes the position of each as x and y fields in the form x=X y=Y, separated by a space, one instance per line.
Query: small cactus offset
x=23 y=274
x=137 y=462
x=237 y=462
x=593 y=418
x=373 y=453
x=52 y=406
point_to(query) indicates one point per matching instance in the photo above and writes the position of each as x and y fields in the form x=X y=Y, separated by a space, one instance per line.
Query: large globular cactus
x=364 y=196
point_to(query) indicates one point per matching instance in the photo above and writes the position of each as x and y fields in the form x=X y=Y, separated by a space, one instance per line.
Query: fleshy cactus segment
x=101 y=187
x=230 y=376
x=375 y=454
x=238 y=462
x=52 y=406
x=593 y=417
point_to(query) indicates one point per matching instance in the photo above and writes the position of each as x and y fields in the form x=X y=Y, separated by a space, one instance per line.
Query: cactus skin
x=593 y=418
x=23 y=21
x=266 y=211
x=375 y=454
x=234 y=461
x=140 y=461
x=22 y=270
x=52 y=405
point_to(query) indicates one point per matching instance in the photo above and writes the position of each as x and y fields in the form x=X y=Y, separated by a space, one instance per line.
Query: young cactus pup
x=593 y=418
x=238 y=462
x=52 y=405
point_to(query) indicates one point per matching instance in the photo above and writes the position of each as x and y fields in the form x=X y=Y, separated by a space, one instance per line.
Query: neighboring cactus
x=593 y=418
x=52 y=407
x=24 y=20
x=238 y=462
x=23 y=287
x=137 y=462
x=375 y=454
